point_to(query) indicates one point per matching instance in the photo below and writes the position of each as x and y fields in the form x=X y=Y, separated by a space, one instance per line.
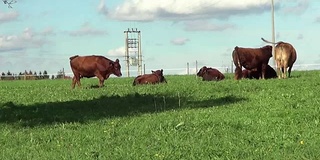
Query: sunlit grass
x=183 y=119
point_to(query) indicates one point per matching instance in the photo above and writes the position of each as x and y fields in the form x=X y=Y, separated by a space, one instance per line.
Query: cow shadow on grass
x=103 y=107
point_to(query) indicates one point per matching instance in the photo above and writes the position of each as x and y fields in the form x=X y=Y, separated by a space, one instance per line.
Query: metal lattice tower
x=133 y=46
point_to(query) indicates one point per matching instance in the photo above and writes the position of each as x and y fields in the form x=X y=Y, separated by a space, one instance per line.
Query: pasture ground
x=183 y=119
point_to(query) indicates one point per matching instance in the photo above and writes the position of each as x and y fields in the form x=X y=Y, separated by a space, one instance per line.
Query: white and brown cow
x=285 y=55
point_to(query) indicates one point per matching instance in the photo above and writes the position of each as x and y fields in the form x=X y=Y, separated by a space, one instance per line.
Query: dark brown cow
x=254 y=73
x=285 y=56
x=153 y=78
x=251 y=58
x=93 y=66
x=250 y=74
x=210 y=74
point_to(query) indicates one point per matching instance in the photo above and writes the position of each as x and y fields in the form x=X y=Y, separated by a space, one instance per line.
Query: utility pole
x=126 y=54
x=196 y=66
x=273 y=32
x=133 y=44
x=231 y=66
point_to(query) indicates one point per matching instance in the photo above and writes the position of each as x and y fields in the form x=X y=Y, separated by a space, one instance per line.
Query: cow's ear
x=111 y=64
x=152 y=71
x=161 y=70
x=117 y=60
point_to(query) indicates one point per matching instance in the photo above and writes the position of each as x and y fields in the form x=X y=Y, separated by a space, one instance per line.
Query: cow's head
x=267 y=50
x=202 y=71
x=115 y=68
x=159 y=73
x=245 y=73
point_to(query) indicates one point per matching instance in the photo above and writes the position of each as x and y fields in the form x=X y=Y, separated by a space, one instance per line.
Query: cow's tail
x=136 y=80
x=73 y=57
x=264 y=40
x=164 y=80
x=236 y=59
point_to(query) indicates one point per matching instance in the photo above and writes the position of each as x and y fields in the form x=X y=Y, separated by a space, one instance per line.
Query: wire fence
x=134 y=72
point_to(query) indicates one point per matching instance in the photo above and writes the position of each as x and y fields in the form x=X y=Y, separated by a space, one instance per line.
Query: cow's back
x=220 y=76
x=146 y=79
x=285 y=52
x=244 y=57
x=87 y=66
x=213 y=74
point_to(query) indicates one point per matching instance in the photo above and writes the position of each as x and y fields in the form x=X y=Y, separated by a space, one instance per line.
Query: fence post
x=187 y=68
x=231 y=67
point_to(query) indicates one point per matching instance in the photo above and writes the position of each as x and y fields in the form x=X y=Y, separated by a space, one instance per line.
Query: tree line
x=31 y=75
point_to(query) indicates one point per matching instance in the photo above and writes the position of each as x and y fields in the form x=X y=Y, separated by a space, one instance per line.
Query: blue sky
x=41 y=35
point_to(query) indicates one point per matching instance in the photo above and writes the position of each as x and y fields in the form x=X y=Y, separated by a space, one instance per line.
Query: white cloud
x=87 y=30
x=47 y=31
x=297 y=7
x=179 y=41
x=203 y=25
x=300 y=36
x=6 y=17
x=102 y=7
x=28 y=39
x=147 y=10
x=118 y=52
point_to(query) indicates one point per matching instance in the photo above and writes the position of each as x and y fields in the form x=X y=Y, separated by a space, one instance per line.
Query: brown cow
x=210 y=74
x=153 y=78
x=254 y=73
x=251 y=58
x=285 y=56
x=93 y=66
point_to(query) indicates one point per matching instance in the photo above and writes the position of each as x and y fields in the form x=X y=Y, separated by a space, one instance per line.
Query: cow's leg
x=101 y=80
x=76 y=79
x=279 y=69
x=282 y=71
x=238 y=73
x=289 y=71
x=263 y=70
x=285 y=66
x=78 y=82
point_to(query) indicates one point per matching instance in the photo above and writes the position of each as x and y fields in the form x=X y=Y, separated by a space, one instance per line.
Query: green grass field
x=183 y=119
